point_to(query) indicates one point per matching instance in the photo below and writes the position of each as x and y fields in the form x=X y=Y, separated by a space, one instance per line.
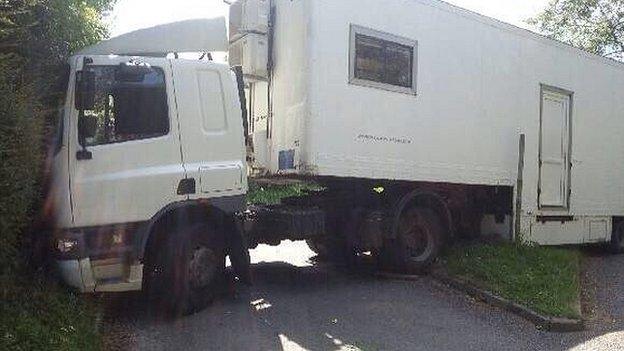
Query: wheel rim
x=203 y=267
x=416 y=236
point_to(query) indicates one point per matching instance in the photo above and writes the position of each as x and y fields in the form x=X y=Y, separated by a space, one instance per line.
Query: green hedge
x=35 y=313
x=20 y=156
x=37 y=36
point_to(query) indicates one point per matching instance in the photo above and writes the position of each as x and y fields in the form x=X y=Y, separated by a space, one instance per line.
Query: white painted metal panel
x=258 y=125
x=195 y=35
x=451 y=131
x=479 y=87
x=249 y=16
x=557 y=233
x=251 y=52
x=291 y=95
x=554 y=149
x=220 y=178
x=211 y=101
x=213 y=155
x=598 y=230
x=128 y=181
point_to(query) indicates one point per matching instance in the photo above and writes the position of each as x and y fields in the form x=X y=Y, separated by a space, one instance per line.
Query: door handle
x=186 y=187
x=84 y=155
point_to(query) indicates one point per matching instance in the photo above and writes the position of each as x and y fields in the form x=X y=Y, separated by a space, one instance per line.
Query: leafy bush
x=20 y=157
x=37 y=36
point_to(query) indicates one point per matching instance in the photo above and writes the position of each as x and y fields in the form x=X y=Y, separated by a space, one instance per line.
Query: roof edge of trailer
x=445 y=6
x=195 y=35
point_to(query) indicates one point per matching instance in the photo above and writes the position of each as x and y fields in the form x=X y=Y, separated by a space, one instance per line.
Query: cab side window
x=128 y=109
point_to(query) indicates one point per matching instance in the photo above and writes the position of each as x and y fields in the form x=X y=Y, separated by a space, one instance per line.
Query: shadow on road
x=319 y=306
x=273 y=314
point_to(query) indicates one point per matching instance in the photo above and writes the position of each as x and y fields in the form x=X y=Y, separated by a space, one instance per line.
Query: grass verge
x=545 y=279
x=37 y=314
x=273 y=194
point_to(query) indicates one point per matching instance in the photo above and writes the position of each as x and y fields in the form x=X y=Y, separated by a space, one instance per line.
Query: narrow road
x=298 y=305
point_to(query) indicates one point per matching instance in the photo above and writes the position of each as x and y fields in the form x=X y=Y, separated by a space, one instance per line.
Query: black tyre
x=318 y=246
x=419 y=237
x=335 y=245
x=187 y=271
x=616 y=246
x=327 y=248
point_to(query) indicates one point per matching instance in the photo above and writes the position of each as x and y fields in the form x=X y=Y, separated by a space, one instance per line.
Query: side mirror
x=87 y=127
x=84 y=96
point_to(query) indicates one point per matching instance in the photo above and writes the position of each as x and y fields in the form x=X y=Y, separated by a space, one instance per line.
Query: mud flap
x=239 y=253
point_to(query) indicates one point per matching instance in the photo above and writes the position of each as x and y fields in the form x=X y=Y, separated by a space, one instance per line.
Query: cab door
x=211 y=128
x=131 y=166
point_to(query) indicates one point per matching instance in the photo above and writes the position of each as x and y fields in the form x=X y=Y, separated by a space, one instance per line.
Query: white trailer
x=423 y=121
x=448 y=105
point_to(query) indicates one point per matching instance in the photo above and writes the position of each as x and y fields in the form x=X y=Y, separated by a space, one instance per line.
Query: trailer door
x=554 y=156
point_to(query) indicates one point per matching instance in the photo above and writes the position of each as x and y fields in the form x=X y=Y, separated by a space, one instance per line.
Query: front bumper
x=77 y=274
x=105 y=258
x=100 y=276
x=101 y=242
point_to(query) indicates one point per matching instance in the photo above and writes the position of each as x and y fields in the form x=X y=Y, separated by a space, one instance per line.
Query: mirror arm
x=84 y=153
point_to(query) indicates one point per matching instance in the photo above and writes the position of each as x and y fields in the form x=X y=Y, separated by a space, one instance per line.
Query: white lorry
x=424 y=122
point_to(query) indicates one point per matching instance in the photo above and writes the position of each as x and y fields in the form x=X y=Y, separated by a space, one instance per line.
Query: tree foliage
x=593 y=25
x=36 y=37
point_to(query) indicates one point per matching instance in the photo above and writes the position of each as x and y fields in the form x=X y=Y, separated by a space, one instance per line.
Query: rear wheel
x=418 y=241
x=616 y=245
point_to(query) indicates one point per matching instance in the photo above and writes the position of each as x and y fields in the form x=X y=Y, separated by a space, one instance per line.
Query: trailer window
x=129 y=110
x=382 y=60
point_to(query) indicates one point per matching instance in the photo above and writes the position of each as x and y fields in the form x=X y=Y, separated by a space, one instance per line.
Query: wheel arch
x=187 y=212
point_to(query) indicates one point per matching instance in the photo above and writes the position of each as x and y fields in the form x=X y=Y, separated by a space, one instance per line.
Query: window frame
x=354 y=31
x=162 y=71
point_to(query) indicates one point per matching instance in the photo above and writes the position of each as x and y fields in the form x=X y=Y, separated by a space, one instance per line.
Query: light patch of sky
x=129 y=15
x=515 y=12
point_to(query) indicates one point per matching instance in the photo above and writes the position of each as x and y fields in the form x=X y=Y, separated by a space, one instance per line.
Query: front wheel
x=193 y=264
x=417 y=243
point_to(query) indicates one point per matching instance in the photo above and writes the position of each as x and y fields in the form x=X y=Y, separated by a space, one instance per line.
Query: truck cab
x=144 y=143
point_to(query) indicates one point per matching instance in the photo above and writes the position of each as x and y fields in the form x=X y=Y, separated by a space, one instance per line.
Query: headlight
x=66 y=245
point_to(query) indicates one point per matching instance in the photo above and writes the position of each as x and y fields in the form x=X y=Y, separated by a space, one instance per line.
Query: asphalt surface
x=297 y=304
